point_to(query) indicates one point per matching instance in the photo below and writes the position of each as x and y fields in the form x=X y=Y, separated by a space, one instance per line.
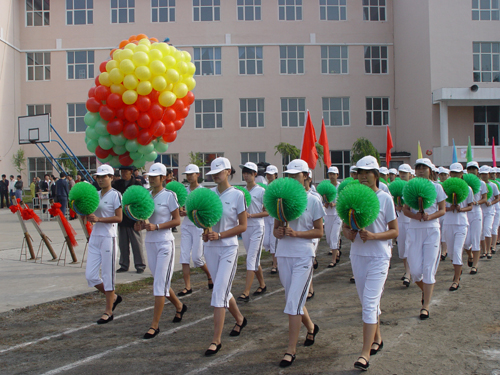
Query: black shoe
x=331 y=265
x=260 y=291
x=243 y=298
x=148 y=336
x=352 y=280
x=174 y=230
x=380 y=346
x=210 y=352
x=104 y=321
x=140 y=270
x=443 y=257
x=274 y=270
x=121 y=270
x=181 y=313
x=117 y=301
x=470 y=262
x=360 y=365
x=315 y=263
x=493 y=251
x=489 y=256
x=210 y=284
x=424 y=316
x=309 y=296
x=184 y=292
x=482 y=256
x=310 y=342
x=406 y=282
x=243 y=325
x=473 y=270
x=285 y=363
x=453 y=287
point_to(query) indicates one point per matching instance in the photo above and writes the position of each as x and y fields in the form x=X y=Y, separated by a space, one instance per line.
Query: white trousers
x=370 y=274
x=403 y=228
x=423 y=253
x=269 y=240
x=161 y=257
x=222 y=264
x=333 y=226
x=101 y=256
x=487 y=225
x=473 y=238
x=252 y=240
x=496 y=221
x=295 y=276
x=454 y=236
x=192 y=245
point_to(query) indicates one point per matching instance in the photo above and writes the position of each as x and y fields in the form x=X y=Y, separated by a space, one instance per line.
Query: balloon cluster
x=140 y=100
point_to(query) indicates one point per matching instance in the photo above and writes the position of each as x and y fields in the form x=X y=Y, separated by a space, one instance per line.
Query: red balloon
x=102 y=66
x=144 y=121
x=184 y=113
x=96 y=81
x=188 y=99
x=143 y=103
x=102 y=92
x=178 y=124
x=157 y=129
x=169 y=127
x=107 y=114
x=178 y=105
x=170 y=137
x=131 y=113
x=125 y=159
x=92 y=92
x=120 y=113
x=154 y=95
x=93 y=105
x=100 y=153
x=131 y=130
x=115 y=101
x=144 y=137
x=115 y=126
x=111 y=152
x=169 y=115
x=156 y=112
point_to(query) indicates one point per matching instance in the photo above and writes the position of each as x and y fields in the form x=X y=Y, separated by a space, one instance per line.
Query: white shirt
x=294 y=247
x=233 y=204
x=186 y=222
x=458 y=218
x=384 y=187
x=477 y=211
x=316 y=194
x=441 y=196
x=332 y=211
x=490 y=210
x=261 y=179
x=165 y=203
x=108 y=204
x=11 y=185
x=256 y=206
x=377 y=248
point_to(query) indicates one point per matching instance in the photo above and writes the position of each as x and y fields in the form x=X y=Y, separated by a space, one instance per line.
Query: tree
x=67 y=164
x=196 y=159
x=290 y=152
x=19 y=160
x=363 y=147
x=319 y=149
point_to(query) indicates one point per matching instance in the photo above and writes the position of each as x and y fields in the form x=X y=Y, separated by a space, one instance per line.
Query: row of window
x=81 y=12
x=38 y=167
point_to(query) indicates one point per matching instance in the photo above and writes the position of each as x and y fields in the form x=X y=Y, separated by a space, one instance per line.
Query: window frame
x=246 y=60
x=170 y=11
x=380 y=59
x=90 y=66
x=494 y=74
x=213 y=7
x=300 y=124
x=342 y=110
x=288 y=59
x=172 y=157
x=35 y=111
x=342 y=5
x=486 y=122
x=45 y=12
x=75 y=117
x=217 y=114
x=491 y=10
x=88 y=12
x=368 y=7
x=382 y=110
x=296 y=6
x=257 y=112
x=254 y=7
x=35 y=172
x=44 y=66
x=258 y=154
x=328 y=59
x=216 y=62
x=130 y=11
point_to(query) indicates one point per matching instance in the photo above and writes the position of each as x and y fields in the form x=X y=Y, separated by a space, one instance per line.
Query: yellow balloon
x=163 y=47
x=167 y=98
x=111 y=64
x=180 y=90
x=189 y=82
x=144 y=88
x=155 y=54
x=131 y=46
x=116 y=55
x=104 y=79
x=191 y=69
x=126 y=54
x=117 y=89
x=129 y=97
x=186 y=56
x=159 y=83
x=157 y=67
x=140 y=58
x=170 y=87
x=143 y=73
x=172 y=75
x=116 y=76
x=182 y=67
x=145 y=42
x=168 y=61
x=142 y=48
x=127 y=66
x=130 y=82
x=177 y=55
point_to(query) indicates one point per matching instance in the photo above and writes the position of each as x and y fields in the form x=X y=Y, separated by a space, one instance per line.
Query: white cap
x=493 y=170
x=456 y=167
x=413 y=172
x=218 y=165
x=333 y=170
x=393 y=171
x=465 y=171
x=310 y=174
x=271 y=169
x=484 y=169
x=473 y=164
x=435 y=169
x=367 y=163
x=405 y=168
x=104 y=170
x=426 y=162
x=191 y=168
x=157 y=169
x=353 y=169
x=250 y=165
x=383 y=170
x=297 y=166
x=497 y=170
x=444 y=170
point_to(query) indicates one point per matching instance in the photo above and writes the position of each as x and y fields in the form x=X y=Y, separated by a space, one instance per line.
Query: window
x=80 y=64
x=342 y=160
x=290 y=10
x=249 y=10
x=171 y=161
x=207 y=60
x=334 y=60
x=79 y=12
x=374 y=10
x=485 y=10
x=252 y=113
x=38 y=64
x=89 y=162
x=336 y=111
x=76 y=111
x=162 y=10
x=293 y=112
x=486 y=62
x=250 y=59
x=37 y=12
x=39 y=167
x=38 y=109
x=486 y=125
x=376 y=60
x=207 y=158
x=208 y=113
x=122 y=11
x=292 y=59
x=332 y=10
x=377 y=111
x=206 y=10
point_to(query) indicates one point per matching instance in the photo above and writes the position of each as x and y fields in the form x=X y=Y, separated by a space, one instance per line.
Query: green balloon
x=161 y=147
x=91 y=145
x=118 y=140
x=105 y=142
x=114 y=162
x=100 y=127
x=91 y=133
x=151 y=156
x=91 y=118
x=106 y=159
x=139 y=163
x=119 y=149
x=146 y=149
x=135 y=155
x=132 y=145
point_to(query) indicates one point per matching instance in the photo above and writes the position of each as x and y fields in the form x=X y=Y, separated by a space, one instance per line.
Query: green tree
x=363 y=147
x=67 y=164
x=195 y=158
x=290 y=152
x=19 y=160
x=319 y=149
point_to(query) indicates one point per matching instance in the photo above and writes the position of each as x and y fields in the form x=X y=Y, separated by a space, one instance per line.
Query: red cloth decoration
x=55 y=210
x=17 y=207
x=27 y=214
x=88 y=225
x=72 y=214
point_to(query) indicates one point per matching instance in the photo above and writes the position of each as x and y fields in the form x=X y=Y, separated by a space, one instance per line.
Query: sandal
x=453 y=288
x=482 y=256
x=260 y=291
x=274 y=270
x=243 y=298
x=213 y=351
x=309 y=296
x=380 y=346
x=473 y=270
x=424 y=316
x=352 y=280
x=148 y=335
x=210 y=284
x=489 y=256
x=177 y=319
x=470 y=261
x=360 y=365
x=184 y=292
x=309 y=341
x=104 y=321
x=443 y=257
x=285 y=363
x=406 y=282
x=243 y=325
x=330 y=252
x=331 y=265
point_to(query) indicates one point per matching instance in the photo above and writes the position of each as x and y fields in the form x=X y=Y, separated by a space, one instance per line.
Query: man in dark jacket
x=62 y=192
x=127 y=236
x=4 y=191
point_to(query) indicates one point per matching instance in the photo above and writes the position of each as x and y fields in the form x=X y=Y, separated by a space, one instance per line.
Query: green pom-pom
x=84 y=198
x=396 y=188
x=137 y=203
x=346 y=182
x=473 y=181
x=498 y=179
x=204 y=208
x=327 y=190
x=363 y=202
x=179 y=190
x=457 y=186
x=496 y=183
x=293 y=199
x=248 y=197
x=419 y=187
x=264 y=186
x=490 y=191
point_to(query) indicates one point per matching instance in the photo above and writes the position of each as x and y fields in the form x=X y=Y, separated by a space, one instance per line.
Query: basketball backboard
x=34 y=129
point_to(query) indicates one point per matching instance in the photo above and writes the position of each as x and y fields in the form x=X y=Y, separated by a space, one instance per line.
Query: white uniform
x=475 y=218
x=315 y=240
x=222 y=255
x=253 y=237
x=403 y=223
x=422 y=243
x=295 y=258
x=160 y=243
x=489 y=213
x=103 y=244
x=370 y=261
x=333 y=226
x=191 y=241
x=496 y=219
x=269 y=240
x=384 y=188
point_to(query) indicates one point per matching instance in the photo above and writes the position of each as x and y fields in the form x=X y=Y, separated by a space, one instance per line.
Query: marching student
x=309 y=190
x=352 y=172
x=422 y=239
x=221 y=251
x=403 y=222
x=160 y=247
x=269 y=239
x=393 y=173
x=496 y=218
x=103 y=247
x=370 y=257
x=295 y=253
x=489 y=210
x=455 y=225
x=384 y=173
x=254 y=235
x=191 y=241
x=443 y=174
x=333 y=224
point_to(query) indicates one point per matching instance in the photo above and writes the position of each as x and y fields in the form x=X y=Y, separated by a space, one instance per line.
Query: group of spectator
x=10 y=190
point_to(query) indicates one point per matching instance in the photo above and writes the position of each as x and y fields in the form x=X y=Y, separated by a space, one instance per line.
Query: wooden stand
x=27 y=240
x=44 y=241
x=66 y=245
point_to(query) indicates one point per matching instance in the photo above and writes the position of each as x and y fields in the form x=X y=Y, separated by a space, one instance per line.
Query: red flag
x=323 y=141
x=493 y=155
x=308 y=151
x=389 y=146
